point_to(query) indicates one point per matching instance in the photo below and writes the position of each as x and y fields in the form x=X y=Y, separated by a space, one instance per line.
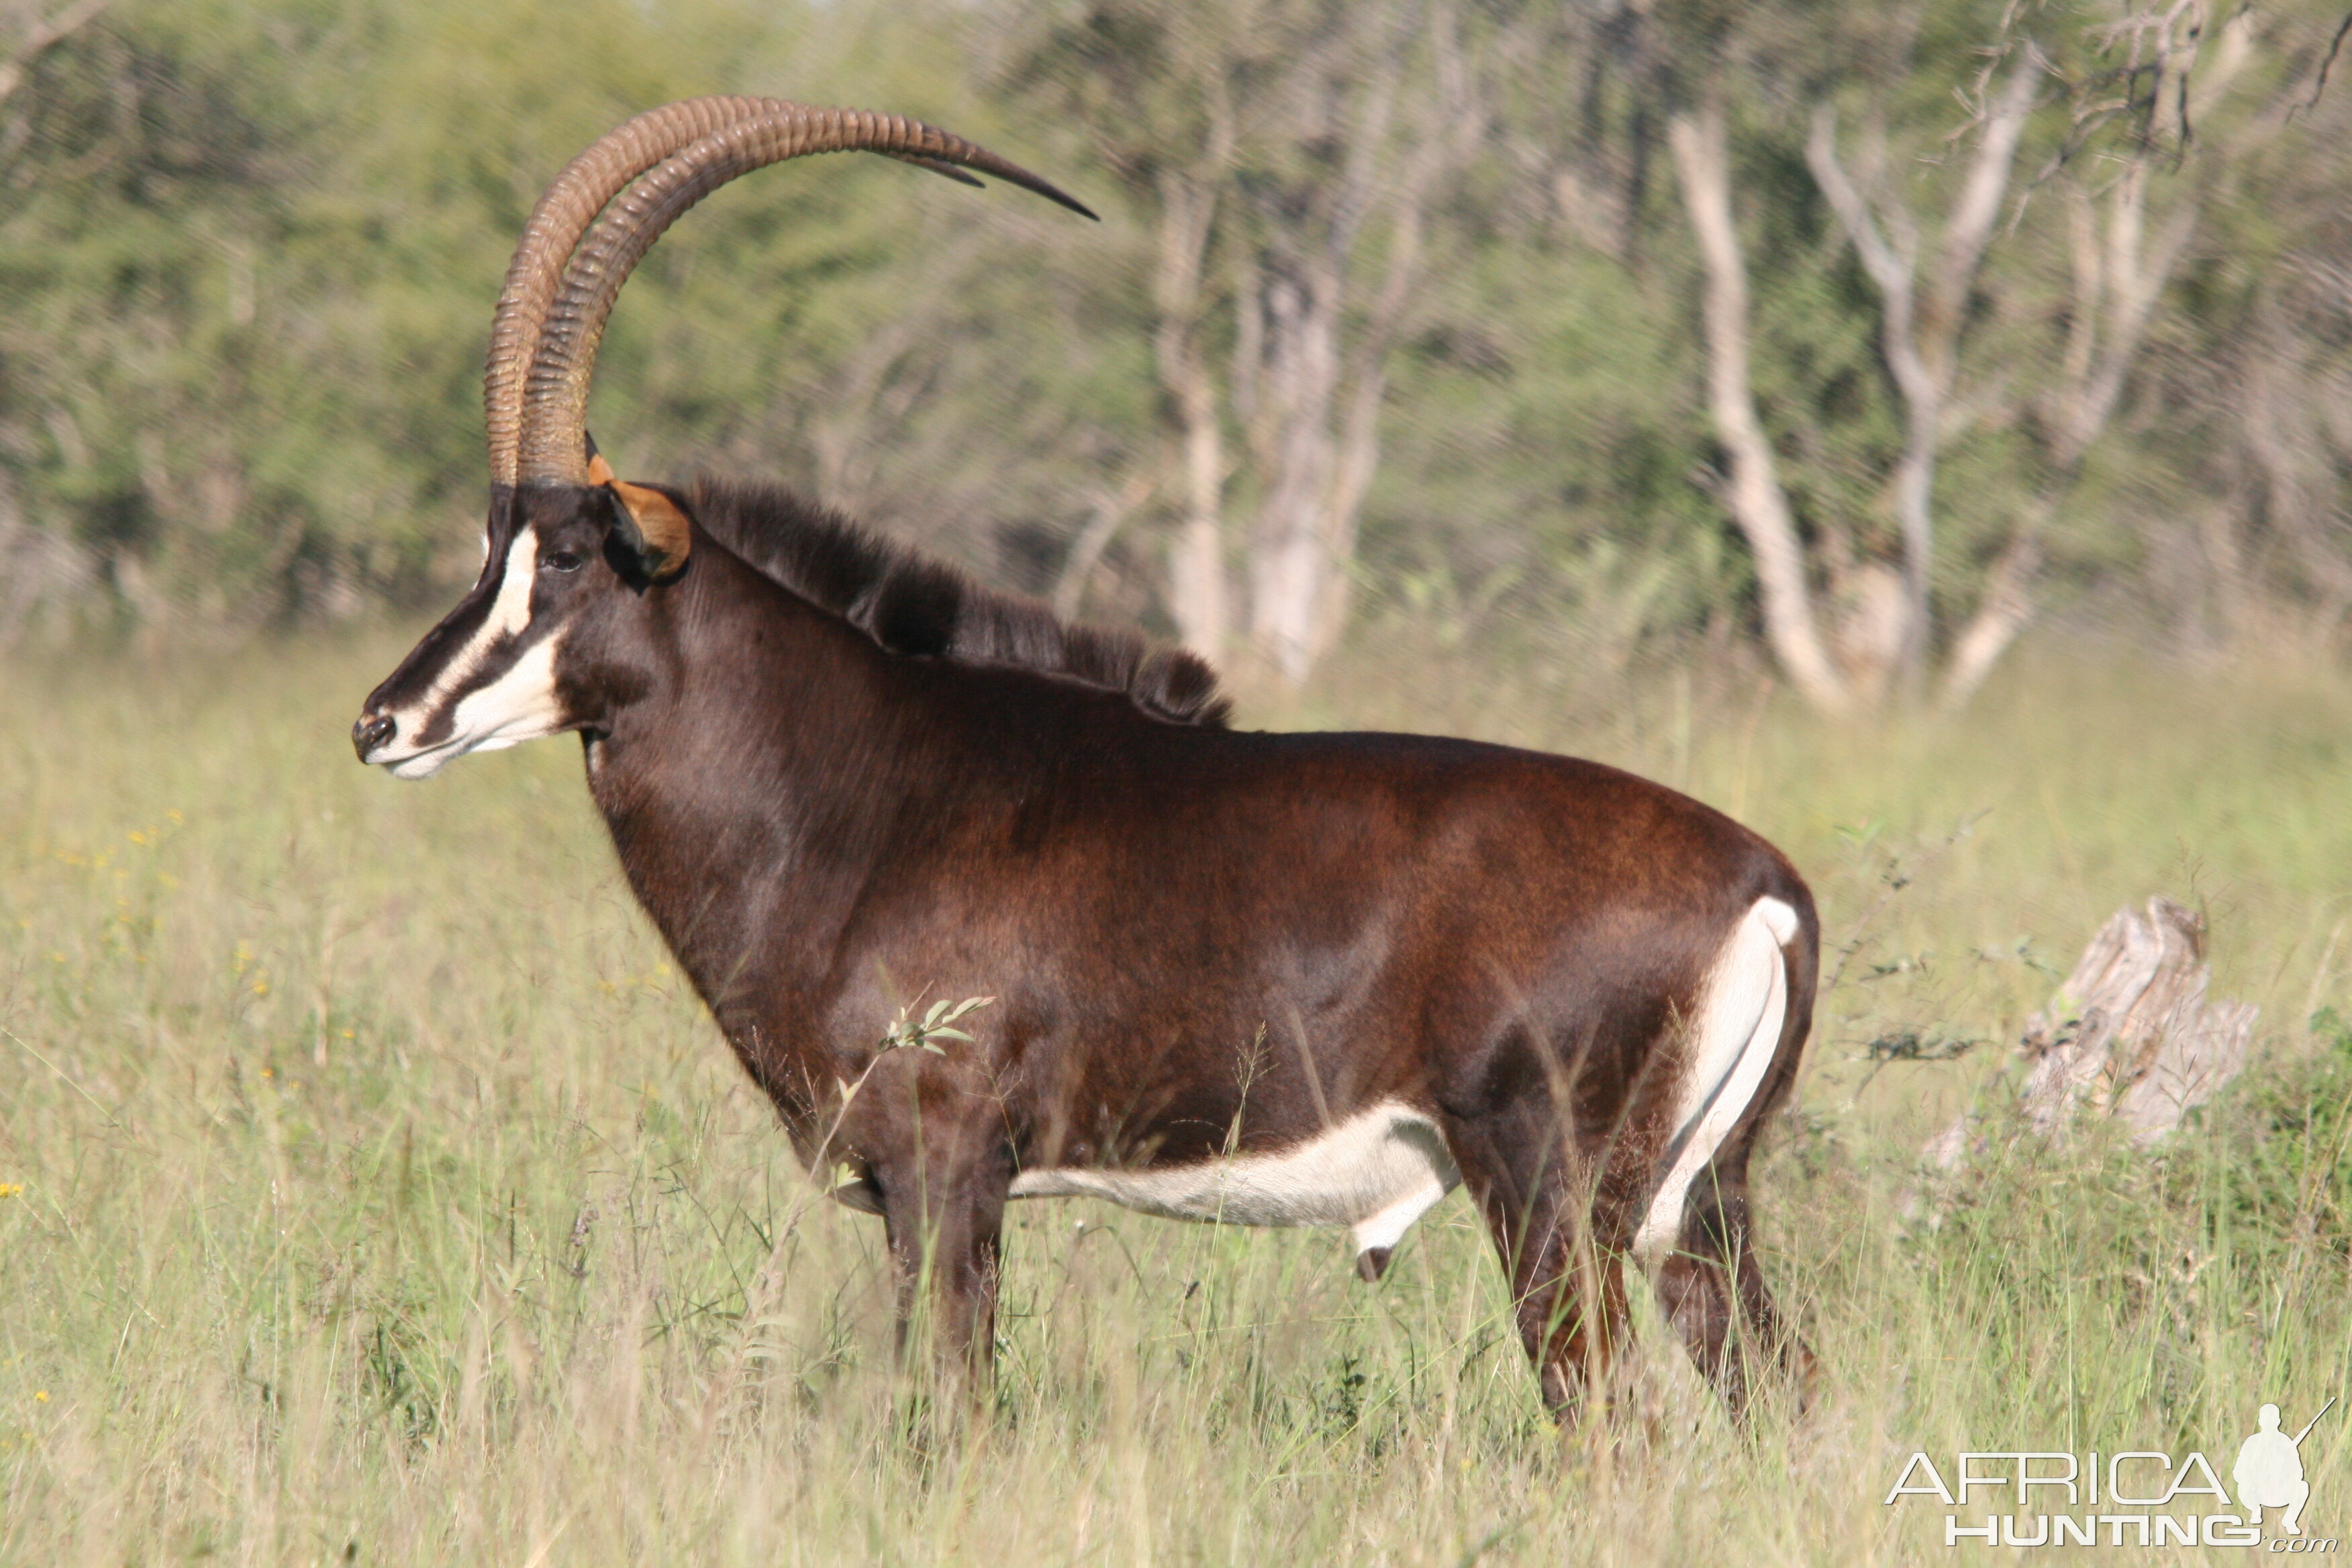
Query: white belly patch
x=1375 y=1173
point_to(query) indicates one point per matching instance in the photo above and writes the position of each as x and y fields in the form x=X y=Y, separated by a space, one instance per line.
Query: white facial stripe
x=1732 y=1043
x=510 y=613
x=520 y=705
x=1375 y=1173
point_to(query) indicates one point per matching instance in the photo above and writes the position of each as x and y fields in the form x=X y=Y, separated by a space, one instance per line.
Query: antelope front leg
x=945 y=1224
x=934 y=1146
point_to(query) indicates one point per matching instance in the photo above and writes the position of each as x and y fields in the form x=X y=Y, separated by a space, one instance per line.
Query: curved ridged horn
x=571 y=203
x=555 y=395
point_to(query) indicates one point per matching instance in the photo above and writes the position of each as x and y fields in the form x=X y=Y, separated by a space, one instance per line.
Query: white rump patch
x=1375 y=1173
x=1731 y=1045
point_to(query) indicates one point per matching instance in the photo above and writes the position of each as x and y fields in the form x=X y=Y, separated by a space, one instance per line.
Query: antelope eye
x=561 y=561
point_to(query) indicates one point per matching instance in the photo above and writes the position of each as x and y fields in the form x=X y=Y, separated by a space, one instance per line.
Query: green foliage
x=2233 y=1226
x=2277 y=1177
x=249 y=265
x=248 y=248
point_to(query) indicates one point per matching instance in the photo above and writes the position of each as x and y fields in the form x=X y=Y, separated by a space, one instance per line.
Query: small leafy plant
x=938 y=1023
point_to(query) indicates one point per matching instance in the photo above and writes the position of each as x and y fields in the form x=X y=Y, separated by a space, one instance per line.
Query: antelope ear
x=648 y=525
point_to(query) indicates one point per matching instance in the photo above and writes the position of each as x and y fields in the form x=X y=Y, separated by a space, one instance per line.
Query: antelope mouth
x=422 y=763
x=376 y=739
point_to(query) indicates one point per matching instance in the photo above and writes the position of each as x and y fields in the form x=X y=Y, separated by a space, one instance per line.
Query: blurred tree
x=2151 y=137
x=1154 y=83
x=29 y=34
x=1298 y=143
x=1924 y=307
x=2123 y=95
x=249 y=254
x=1585 y=330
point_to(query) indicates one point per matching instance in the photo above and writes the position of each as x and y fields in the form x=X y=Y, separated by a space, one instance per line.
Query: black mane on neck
x=910 y=603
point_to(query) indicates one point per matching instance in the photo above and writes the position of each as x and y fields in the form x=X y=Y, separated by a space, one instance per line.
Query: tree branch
x=1978 y=208
x=1889 y=271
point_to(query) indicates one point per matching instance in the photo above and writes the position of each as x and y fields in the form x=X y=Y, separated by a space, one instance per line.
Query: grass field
x=377 y=1193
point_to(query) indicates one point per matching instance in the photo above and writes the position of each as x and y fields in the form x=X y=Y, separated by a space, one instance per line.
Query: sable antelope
x=1270 y=979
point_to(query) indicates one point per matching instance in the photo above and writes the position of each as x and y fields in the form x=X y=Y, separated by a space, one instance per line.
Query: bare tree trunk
x=1313 y=396
x=2293 y=464
x=1359 y=436
x=1699 y=141
x=1322 y=424
x=2004 y=609
x=1196 y=566
x=1297 y=386
x=1301 y=384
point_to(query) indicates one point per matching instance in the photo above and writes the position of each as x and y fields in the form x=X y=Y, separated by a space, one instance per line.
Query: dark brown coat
x=843 y=779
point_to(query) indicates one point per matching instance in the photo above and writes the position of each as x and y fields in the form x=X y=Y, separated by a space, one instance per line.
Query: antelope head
x=574 y=558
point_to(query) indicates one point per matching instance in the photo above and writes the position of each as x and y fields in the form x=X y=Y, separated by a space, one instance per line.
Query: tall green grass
x=377 y=1192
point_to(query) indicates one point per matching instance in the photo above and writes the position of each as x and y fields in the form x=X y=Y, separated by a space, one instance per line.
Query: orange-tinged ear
x=600 y=472
x=662 y=525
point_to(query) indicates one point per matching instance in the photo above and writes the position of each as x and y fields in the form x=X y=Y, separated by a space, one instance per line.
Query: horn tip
x=1060 y=197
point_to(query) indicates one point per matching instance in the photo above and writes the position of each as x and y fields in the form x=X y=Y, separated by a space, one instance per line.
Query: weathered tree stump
x=2129 y=1036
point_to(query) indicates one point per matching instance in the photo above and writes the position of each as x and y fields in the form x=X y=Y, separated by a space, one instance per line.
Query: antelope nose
x=371 y=732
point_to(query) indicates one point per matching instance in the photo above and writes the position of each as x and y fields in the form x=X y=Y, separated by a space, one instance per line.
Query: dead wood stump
x=2129 y=1036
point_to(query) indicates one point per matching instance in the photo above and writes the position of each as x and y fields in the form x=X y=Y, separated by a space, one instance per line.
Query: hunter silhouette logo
x=2269 y=1471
